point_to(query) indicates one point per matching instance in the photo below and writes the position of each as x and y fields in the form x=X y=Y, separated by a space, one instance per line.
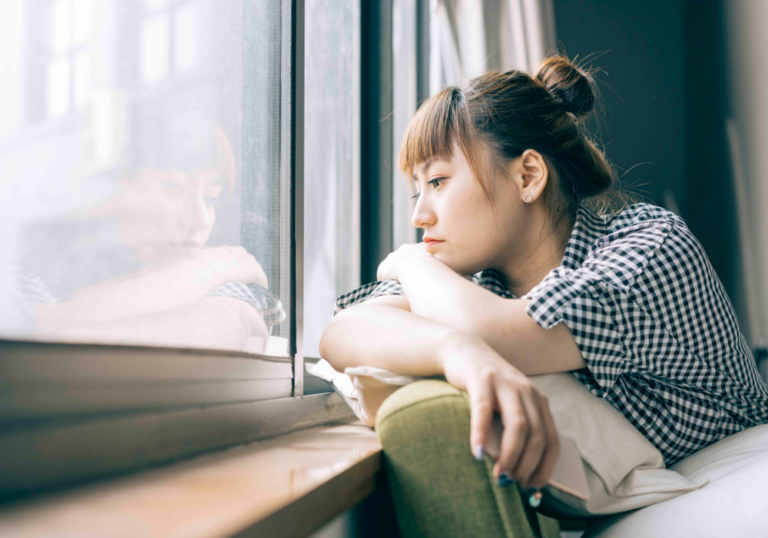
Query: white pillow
x=624 y=470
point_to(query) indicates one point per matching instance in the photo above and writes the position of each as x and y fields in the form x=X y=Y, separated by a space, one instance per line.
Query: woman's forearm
x=386 y=337
x=214 y=322
x=436 y=292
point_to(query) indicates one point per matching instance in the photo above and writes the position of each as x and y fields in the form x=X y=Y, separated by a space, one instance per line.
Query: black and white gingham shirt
x=653 y=323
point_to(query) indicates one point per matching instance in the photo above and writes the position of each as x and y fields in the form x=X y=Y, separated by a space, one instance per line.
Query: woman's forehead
x=423 y=167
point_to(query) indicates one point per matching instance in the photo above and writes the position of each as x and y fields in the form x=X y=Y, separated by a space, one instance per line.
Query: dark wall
x=711 y=202
x=665 y=97
x=643 y=88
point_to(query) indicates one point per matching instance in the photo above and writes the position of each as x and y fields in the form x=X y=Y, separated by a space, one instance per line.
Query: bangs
x=430 y=135
x=442 y=120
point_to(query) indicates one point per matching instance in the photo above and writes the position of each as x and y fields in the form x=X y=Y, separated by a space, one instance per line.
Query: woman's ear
x=531 y=173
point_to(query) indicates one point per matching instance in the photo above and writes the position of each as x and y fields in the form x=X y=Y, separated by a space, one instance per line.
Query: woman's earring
x=528 y=197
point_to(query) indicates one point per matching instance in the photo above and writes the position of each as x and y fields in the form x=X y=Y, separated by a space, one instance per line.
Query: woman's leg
x=438 y=487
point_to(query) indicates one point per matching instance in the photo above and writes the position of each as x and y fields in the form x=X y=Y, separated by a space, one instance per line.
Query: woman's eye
x=434 y=182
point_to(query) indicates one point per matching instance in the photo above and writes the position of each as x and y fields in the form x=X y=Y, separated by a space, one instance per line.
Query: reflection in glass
x=82 y=20
x=154 y=49
x=187 y=37
x=58 y=87
x=120 y=221
x=82 y=78
x=60 y=26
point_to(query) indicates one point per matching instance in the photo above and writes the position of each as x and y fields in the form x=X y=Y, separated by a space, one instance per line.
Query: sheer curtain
x=469 y=37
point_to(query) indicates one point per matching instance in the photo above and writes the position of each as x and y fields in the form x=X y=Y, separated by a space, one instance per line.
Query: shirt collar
x=588 y=228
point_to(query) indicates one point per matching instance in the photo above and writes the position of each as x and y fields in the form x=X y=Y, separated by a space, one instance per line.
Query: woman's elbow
x=326 y=345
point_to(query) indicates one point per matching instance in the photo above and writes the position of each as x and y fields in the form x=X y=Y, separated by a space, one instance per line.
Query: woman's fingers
x=552 y=451
x=516 y=429
x=536 y=442
x=481 y=401
x=529 y=444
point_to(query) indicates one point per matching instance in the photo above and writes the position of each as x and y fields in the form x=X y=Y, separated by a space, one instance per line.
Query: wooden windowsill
x=288 y=486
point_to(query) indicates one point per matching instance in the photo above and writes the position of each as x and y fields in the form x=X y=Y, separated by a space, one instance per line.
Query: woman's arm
x=213 y=322
x=391 y=338
x=436 y=292
x=387 y=337
x=165 y=287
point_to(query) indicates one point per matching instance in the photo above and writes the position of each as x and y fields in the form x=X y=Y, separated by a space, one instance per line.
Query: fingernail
x=534 y=496
x=504 y=479
x=479 y=452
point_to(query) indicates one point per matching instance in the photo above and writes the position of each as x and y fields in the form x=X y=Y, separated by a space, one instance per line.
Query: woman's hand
x=214 y=266
x=390 y=267
x=529 y=444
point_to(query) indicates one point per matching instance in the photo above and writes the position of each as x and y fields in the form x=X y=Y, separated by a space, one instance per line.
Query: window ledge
x=288 y=486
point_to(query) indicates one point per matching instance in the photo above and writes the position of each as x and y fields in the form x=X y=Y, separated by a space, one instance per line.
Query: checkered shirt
x=654 y=325
x=260 y=298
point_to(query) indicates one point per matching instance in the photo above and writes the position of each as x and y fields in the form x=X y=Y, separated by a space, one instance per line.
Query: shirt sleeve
x=368 y=291
x=488 y=279
x=264 y=301
x=597 y=300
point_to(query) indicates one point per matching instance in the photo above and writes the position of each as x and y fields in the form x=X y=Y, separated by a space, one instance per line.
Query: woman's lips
x=432 y=243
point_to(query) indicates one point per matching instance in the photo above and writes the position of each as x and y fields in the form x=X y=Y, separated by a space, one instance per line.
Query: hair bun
x=573 y=88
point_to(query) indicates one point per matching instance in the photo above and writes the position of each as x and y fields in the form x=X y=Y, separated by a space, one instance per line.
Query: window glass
x=142 y=173
x=331 y=161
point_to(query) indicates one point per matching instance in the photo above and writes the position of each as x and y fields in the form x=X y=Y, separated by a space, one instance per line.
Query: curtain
x=469 y=37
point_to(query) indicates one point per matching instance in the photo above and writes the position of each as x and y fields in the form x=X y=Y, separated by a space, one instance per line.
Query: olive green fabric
x=438 y=487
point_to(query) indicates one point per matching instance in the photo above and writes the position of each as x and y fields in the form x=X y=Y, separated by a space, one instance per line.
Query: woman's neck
x=535 y=260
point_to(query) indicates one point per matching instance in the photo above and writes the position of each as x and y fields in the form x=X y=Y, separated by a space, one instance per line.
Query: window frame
x=150 y=405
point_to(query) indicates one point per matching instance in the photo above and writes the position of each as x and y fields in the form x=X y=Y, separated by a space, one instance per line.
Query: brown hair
x=509 y=112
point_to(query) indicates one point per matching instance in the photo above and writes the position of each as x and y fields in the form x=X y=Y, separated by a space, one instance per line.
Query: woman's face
x=166 y=213
x=474 y=233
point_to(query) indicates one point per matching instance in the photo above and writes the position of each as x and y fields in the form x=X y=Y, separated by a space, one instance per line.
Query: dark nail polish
x=504 y=479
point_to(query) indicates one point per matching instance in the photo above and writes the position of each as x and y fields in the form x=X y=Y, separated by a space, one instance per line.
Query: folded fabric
x=624 y=470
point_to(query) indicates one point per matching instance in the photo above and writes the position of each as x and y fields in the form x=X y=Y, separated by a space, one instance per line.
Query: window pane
x=155 y=4
x=58 y=87
x=187 y=37
x=60 y=26
x=82 y=19
x=331 y=153
x=82 y=78
x=154 y=48
x=153 y=215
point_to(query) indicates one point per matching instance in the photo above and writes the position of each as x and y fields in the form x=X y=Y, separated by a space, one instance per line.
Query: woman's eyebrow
x=424 y=168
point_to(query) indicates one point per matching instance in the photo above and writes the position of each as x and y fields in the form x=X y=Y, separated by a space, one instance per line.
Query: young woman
x=510 y=189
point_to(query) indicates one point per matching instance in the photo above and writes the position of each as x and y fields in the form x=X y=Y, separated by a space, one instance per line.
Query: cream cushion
x=624 y=470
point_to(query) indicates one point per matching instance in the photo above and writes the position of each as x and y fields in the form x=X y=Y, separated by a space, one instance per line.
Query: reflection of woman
x=507 y=183
x=185 y=294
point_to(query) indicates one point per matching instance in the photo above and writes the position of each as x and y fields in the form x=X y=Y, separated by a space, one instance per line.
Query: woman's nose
x=200 y=216
x=423 y=215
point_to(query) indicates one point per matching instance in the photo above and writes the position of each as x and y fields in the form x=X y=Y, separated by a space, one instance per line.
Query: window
x=184 y=190
x=160 y=217
x=332 y=161
x=170 y=39
x=150 y=167
x=69 y=60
